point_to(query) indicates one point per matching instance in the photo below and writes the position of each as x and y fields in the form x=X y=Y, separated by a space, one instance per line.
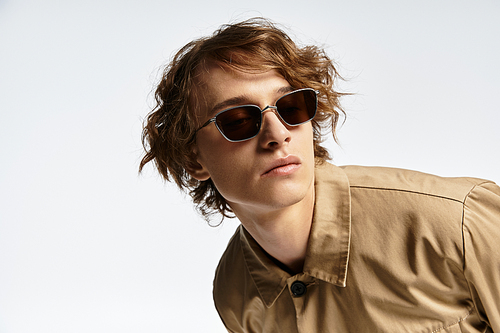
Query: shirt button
x=298 y=288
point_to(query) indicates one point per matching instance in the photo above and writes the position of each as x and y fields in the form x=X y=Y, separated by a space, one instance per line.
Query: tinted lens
x=297 y=107
x=239 y=123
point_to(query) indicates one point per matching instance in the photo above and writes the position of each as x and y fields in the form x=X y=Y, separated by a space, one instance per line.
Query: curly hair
x=169 y=132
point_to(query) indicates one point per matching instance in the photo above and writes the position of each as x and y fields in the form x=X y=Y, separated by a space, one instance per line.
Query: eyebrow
x=240 y=100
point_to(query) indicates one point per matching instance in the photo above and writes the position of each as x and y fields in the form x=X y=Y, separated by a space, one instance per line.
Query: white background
x=87 y=245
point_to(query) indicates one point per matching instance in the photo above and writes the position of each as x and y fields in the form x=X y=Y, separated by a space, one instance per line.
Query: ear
x=196 y=169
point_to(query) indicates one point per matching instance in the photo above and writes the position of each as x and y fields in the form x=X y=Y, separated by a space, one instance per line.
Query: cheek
x=221 y=157
x=209 y=145
x=228 y=174
x=305 y=136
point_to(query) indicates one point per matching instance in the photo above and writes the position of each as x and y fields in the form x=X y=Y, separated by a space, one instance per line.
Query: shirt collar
x=327 y=254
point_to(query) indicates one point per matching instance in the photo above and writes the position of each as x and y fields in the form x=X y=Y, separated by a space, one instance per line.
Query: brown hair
x=170 y=129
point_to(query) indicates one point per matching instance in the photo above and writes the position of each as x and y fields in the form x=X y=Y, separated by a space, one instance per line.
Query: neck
x=283 y=233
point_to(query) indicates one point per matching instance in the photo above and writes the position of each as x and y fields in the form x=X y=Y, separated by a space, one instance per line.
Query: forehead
x=215 y=84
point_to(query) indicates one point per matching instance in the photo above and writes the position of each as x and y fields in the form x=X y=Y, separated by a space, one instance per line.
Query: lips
x=282 y=166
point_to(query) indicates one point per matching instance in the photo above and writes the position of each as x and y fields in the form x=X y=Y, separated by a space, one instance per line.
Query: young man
x=320 y=248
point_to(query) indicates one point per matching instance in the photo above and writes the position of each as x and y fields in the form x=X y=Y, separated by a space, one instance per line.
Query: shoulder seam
x=407 y=191
x=473 y=188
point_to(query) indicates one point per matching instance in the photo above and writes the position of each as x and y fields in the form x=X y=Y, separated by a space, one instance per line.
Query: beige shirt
x=389 y=251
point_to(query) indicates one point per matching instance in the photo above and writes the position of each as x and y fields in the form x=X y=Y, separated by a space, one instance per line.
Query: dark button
x=298 y=288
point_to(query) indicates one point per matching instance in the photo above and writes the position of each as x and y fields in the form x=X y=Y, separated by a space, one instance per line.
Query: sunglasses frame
x=274 y=107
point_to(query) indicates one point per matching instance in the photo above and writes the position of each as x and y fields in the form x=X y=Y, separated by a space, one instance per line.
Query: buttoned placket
x=298 y=287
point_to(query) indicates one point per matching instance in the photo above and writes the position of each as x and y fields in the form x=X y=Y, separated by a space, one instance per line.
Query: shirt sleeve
x=481 y=236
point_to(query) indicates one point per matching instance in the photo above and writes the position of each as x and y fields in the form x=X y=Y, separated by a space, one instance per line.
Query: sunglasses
x=243 y=122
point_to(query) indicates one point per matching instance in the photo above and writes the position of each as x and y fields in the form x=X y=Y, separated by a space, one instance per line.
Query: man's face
x=245 y=173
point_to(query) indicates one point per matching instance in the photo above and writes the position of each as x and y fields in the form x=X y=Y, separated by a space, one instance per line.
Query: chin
x=286 y=197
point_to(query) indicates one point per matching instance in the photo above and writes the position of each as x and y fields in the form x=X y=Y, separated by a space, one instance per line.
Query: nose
x=273 y=132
